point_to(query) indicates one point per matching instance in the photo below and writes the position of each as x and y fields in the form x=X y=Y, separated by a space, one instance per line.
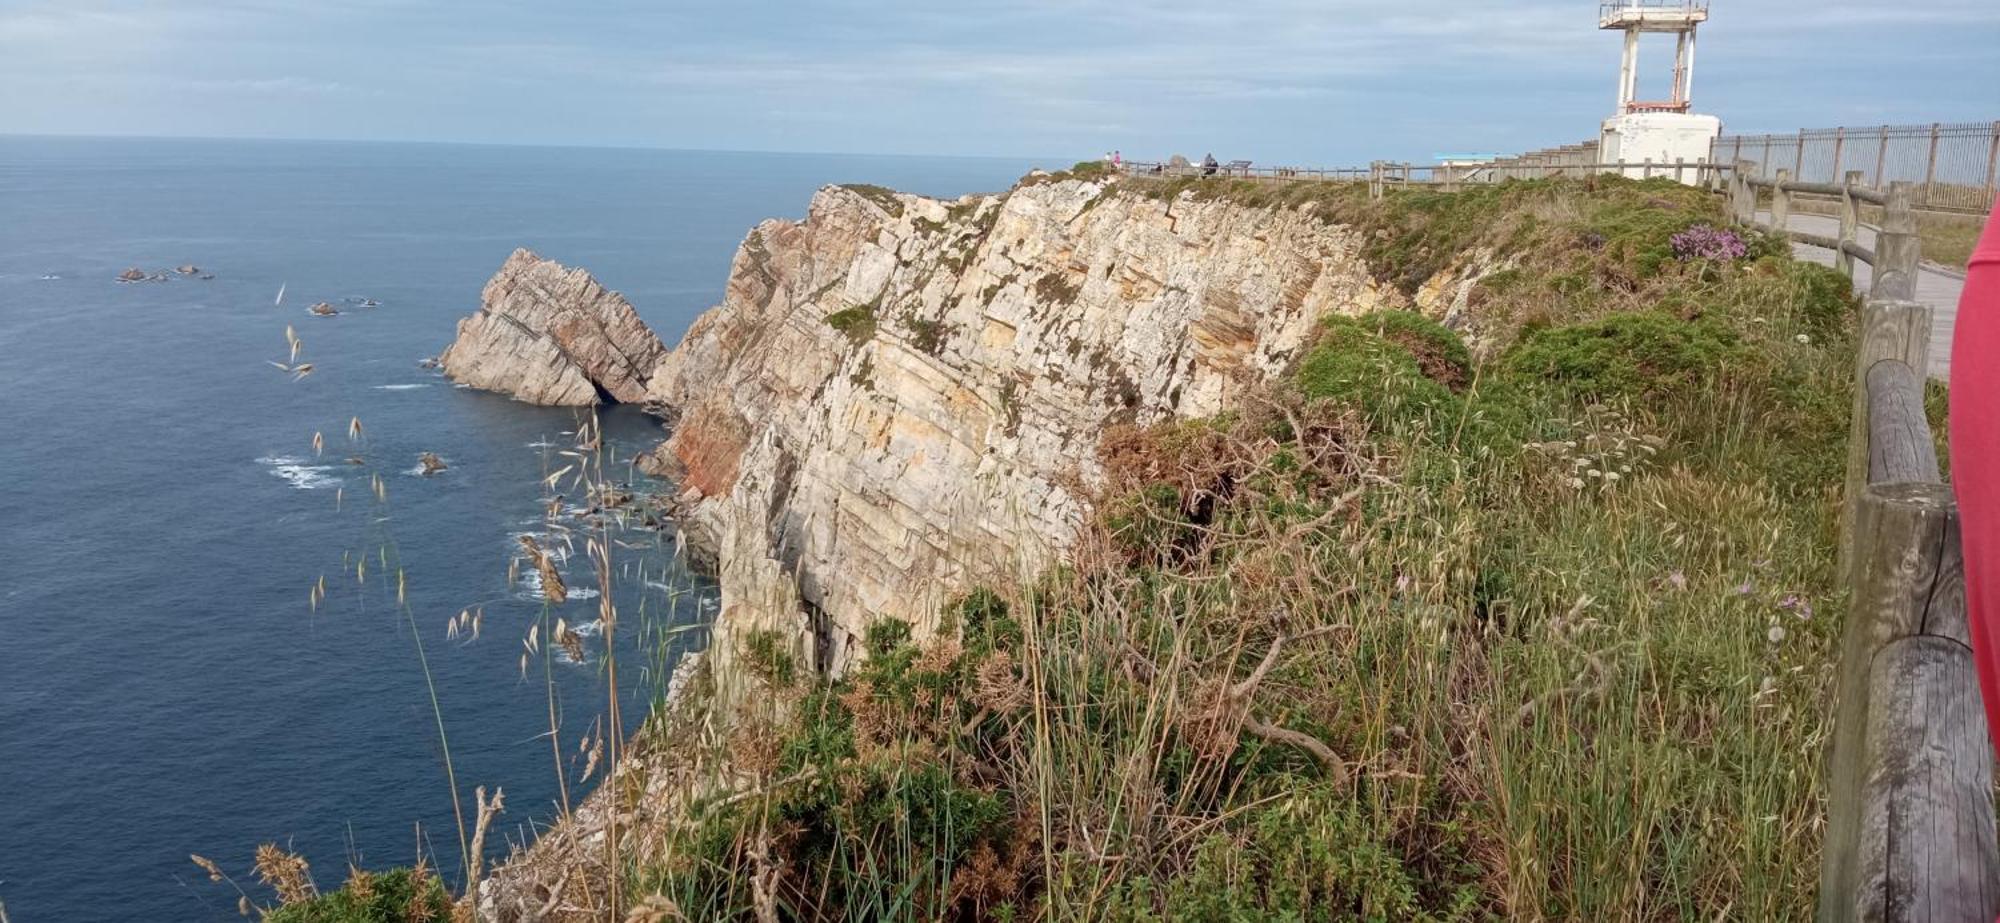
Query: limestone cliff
x=900 y=397
x=548 y=334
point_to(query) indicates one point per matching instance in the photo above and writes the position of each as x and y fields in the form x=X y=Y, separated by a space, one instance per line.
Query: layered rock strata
x=549 y=334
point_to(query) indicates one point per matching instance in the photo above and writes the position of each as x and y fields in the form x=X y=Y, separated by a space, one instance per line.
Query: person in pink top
x=1975 y=458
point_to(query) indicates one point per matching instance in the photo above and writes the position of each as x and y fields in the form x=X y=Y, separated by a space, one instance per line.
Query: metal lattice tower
x=1636 y=17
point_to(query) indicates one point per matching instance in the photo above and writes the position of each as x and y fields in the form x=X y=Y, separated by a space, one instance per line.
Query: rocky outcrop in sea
x=549 y=334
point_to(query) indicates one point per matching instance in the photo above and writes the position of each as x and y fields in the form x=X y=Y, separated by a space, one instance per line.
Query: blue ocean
x=217 y=630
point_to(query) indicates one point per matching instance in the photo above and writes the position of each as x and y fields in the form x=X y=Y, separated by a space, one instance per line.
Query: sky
x=1320 y=82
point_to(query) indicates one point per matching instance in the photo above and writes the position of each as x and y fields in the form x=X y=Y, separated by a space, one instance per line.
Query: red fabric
x=1975 y=458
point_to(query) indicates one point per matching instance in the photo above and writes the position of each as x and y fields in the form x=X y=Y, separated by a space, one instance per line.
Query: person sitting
x=1208 y=165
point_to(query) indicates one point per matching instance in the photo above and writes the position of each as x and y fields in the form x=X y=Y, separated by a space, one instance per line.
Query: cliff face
x=548 y=334
x=900 y=398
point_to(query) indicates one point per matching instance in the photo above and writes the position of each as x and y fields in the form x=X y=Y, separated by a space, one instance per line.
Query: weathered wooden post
x=1850 y=223
x=1897 y=331
x=1898 y=250
x=1781 y=202
x=1375 y=180
x=1744 y=197
x=1910 y=831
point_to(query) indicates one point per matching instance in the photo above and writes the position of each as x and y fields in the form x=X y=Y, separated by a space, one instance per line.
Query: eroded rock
x=549 y=334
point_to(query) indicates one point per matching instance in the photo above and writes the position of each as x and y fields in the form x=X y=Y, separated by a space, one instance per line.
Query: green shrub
x=1308 y=854
x=1627 y=355
x=1393 y=366
x=1090 y=169
x=768 y=655
x=386 y=897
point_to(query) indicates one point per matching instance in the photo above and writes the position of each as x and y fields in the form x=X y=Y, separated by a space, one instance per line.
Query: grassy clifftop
x=1543 y=635
x=1541 y=630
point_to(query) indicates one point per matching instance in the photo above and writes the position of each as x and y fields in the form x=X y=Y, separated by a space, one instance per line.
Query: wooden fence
x=1910 y=832
x=1383 y=175
x=1897 y=256
x=1910 y=827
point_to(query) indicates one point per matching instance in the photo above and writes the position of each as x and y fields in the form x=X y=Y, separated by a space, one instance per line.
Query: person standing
x=1975 y=458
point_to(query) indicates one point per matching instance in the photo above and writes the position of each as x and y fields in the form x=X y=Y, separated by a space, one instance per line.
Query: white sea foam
x=299 y=474
x=531 y=586
x=404 y=387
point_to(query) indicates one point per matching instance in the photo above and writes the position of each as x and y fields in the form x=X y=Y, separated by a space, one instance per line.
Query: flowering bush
x=1704 y=242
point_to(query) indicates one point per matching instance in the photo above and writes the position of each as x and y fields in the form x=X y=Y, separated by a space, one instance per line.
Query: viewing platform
x=1651 y=15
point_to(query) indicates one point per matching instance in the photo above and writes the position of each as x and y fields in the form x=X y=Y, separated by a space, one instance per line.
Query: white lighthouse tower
x=1660 y=131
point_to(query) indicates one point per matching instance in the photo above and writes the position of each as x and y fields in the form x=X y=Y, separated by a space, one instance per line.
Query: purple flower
x=1703 y=242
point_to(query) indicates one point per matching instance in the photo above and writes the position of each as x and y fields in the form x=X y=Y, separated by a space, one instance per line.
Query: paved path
x=1936 y=288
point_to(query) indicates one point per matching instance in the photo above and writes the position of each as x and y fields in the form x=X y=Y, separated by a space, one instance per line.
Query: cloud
x=1316 y=78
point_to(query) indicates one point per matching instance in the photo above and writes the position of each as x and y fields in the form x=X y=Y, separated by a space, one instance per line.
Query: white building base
x=1663 y=138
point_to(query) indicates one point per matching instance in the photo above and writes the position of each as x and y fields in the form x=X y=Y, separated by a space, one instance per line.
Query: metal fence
x=1956 y=166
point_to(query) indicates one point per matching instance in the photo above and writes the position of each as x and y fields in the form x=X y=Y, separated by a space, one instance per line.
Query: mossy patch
x=1056 y=288
x=857 y=322
x=884 y=198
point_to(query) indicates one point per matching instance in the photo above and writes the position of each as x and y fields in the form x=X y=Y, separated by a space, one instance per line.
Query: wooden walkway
x=1935 y=287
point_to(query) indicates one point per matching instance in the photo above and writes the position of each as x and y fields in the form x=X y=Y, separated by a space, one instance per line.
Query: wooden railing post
x=1910 y=833
x=1898 y=250
x=1781 y=202
x=1744 y=197
x=1850 y=224
x=1890 y=331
